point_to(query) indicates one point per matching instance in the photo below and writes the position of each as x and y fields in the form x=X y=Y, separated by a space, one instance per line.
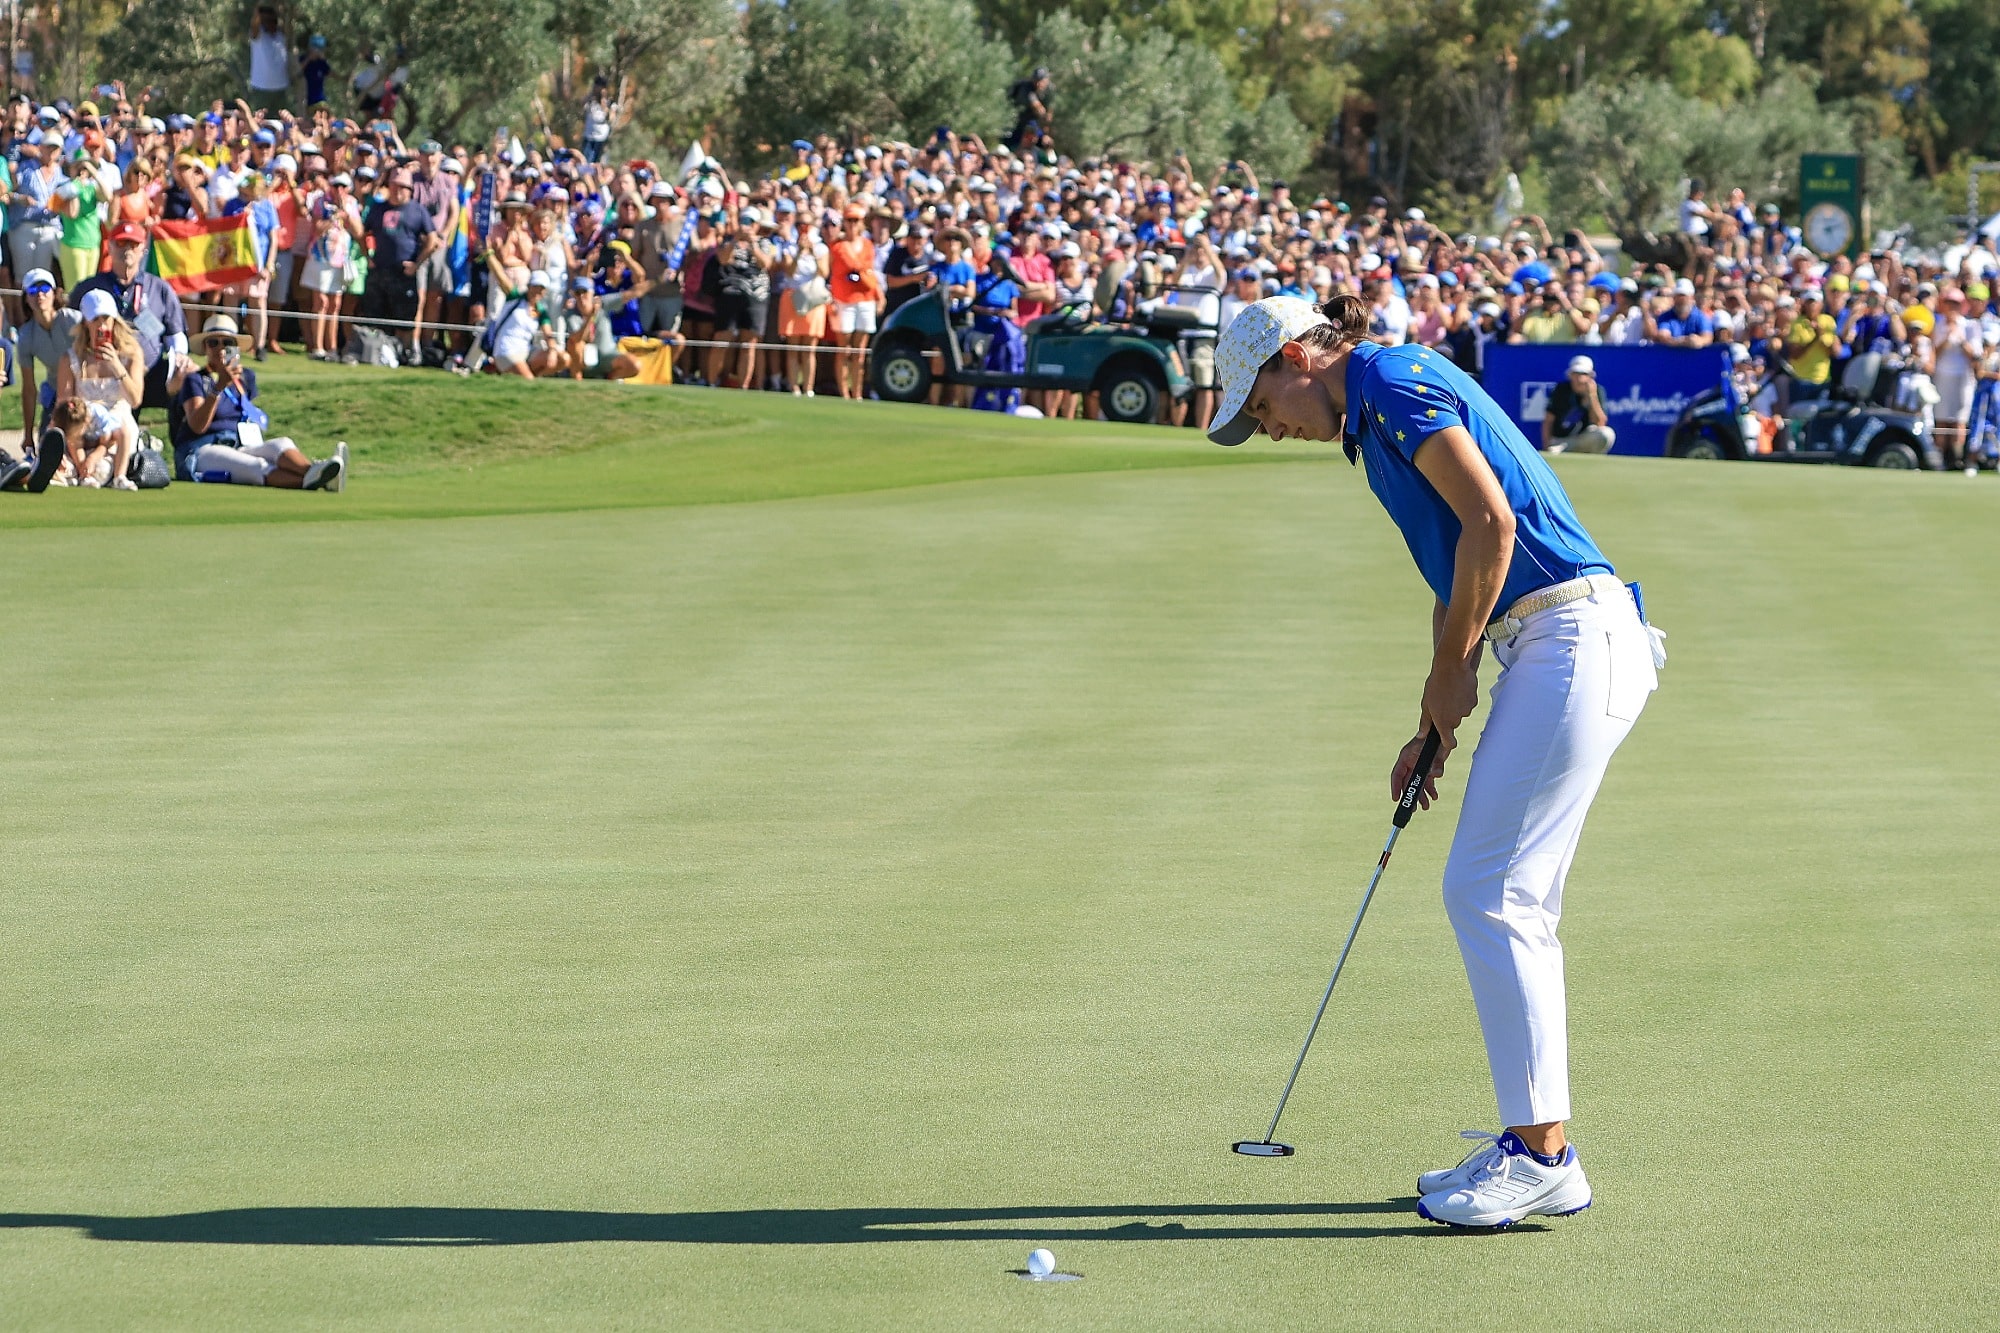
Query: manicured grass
x=425 y=445
x=786 y=914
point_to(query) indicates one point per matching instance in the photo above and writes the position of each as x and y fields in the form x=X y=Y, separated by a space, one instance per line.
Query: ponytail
x=1347 y=319
x=1349 y=316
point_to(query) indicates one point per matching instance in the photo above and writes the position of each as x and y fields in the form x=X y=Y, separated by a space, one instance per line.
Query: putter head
x=1259 y=1148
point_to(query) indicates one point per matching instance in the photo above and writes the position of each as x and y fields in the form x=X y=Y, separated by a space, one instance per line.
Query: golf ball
x=1041 y=1263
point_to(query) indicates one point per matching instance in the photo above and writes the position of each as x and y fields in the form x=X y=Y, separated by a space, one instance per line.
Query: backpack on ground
x=149 y=470
x=372 y=347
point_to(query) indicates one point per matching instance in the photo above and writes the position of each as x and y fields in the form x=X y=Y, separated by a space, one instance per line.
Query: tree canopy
x=1600 y=106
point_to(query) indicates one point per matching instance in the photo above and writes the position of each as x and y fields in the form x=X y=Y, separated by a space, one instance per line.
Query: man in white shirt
x=1695 y=211
x=270 y=61
x=1624 y=325
x=1246 y=287
x=1389 y=314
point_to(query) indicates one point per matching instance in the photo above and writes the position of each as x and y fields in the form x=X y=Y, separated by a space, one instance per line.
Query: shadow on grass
x=760 y=1226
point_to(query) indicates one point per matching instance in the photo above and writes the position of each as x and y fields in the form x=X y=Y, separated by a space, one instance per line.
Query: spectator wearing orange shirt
x=857 y=298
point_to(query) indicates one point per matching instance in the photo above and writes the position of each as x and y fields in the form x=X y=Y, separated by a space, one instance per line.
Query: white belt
x=1548 y=599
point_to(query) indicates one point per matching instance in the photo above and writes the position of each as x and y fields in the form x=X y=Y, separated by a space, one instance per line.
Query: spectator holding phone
x=858 y=296
x=106 y=372
x=744 y=259
x=222 y=434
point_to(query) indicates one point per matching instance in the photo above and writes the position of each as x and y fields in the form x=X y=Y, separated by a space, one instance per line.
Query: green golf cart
x=1132 y=368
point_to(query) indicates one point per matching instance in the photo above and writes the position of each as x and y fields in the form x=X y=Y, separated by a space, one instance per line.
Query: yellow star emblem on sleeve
x=1401 y=437
x=1423 y=388
x=1381 y=420
x=1430 y=413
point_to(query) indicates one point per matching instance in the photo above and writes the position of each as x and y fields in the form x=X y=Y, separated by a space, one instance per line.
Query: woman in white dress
x=1956 y=348
x=106 y=372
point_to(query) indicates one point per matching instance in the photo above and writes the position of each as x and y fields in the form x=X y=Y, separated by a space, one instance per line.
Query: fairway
x=711 y=860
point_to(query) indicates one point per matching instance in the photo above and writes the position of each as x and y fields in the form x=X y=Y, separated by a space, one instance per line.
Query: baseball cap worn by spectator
x=1251 y=339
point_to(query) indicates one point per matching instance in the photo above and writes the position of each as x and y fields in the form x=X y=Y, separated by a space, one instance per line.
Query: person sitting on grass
x=92 y=448
x=40 y=345
x=523 y=338
x=105 y=369
x=597 y=321
x=223 y=430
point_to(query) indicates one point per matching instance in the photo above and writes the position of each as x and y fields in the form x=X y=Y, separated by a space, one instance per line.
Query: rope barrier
x=275 y=312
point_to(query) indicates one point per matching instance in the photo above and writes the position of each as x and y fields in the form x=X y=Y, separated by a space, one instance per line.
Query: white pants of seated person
x=245 y=466
x=1589 y=440
x=1571 y=685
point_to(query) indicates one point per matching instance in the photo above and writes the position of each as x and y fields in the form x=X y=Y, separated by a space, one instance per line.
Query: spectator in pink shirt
x=1038 y=278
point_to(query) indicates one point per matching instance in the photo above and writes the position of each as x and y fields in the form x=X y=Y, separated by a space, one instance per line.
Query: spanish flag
x=202 y=254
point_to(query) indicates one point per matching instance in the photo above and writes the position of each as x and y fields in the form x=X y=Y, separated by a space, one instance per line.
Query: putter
x=1405 y=807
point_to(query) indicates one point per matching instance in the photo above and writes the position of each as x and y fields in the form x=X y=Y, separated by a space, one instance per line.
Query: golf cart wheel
x=1701 y=446
x=1131 y=396
x=1897 y=456
x=902 y=373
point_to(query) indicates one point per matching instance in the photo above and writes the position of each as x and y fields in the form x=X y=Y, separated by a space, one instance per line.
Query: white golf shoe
x=1451 y=1177
x=1507 y=1184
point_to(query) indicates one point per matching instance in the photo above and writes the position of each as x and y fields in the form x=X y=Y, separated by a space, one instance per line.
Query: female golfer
x=1495 y=537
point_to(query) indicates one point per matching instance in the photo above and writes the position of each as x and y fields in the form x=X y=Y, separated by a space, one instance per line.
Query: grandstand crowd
x=549 y=256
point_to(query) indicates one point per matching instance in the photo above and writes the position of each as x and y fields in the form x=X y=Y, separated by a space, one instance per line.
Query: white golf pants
x=1570 y=687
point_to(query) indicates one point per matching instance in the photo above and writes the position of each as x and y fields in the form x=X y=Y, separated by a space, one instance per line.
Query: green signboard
x=1830 y=210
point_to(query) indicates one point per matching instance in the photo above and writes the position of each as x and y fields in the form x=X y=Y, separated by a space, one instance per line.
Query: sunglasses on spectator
x=37 y=289
x=212 y=343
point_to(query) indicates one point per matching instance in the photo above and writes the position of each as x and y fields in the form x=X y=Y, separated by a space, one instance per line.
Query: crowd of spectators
x=544 y=259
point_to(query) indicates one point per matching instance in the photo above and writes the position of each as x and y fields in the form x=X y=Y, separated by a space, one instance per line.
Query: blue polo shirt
x=1398 y=397
x=1680 y=326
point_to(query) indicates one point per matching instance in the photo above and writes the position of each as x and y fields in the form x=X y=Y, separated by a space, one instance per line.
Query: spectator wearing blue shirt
x=1877 y=325
x=1681 y=325
x=619 y=288
x=33 y=230
x=995 y=301
x=254 y=198
x=956 y=274
x=314 y=70
x=1159 y=229
x=1774 y=239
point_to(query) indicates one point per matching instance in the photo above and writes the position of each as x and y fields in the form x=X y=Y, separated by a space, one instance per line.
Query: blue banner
x=482 y=213
x=1645 y=388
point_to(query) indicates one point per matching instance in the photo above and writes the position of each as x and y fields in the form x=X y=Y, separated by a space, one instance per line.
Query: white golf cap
x=1683 y=287
x=1581 y=365
x=1253 y=338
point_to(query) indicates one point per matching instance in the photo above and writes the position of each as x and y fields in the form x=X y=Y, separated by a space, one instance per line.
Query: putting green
x=788 y=913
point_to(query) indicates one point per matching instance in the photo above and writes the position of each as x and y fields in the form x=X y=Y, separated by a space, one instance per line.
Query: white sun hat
x=1251 y=339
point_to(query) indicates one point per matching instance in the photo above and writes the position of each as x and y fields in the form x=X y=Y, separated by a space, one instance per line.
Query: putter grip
x=1425 y=758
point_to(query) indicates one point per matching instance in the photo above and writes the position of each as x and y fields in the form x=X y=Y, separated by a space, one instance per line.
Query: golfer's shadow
x=759 y=1226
